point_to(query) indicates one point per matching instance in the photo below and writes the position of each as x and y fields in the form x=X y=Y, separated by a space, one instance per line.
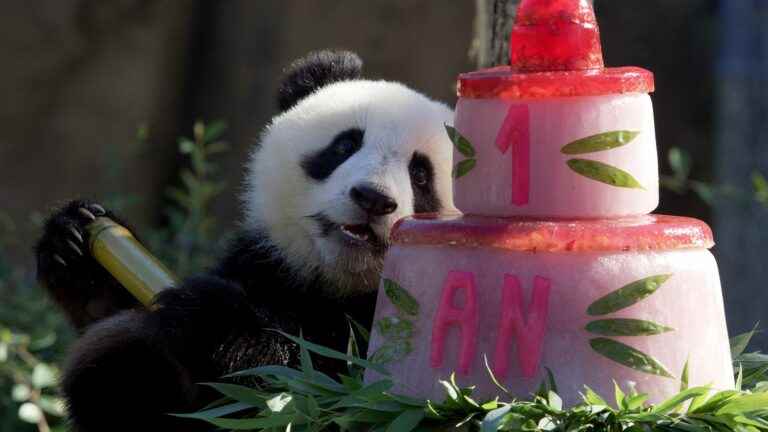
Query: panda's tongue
x=357 y=232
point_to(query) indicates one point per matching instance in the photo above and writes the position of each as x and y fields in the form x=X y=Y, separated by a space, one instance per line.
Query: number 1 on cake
x=515 y=132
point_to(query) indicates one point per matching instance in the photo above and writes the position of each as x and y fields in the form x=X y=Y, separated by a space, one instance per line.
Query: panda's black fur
x=131 y=366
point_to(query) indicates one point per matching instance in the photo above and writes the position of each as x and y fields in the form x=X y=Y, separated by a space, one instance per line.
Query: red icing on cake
x=501 y=82
x=555 y=51
x=641 y=233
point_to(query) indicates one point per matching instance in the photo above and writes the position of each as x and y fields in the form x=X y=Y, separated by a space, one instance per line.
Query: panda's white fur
x=279 y=198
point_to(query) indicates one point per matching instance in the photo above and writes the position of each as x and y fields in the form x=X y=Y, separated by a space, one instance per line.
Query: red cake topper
x=555 y=51
x=555 y=35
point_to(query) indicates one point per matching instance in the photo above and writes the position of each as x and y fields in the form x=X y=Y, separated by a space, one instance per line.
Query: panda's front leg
x=128 y=372
x=82 y=287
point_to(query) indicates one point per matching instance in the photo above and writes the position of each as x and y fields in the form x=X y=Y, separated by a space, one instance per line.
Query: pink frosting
x=466 y=318
x=529 y=331
x=515 y=132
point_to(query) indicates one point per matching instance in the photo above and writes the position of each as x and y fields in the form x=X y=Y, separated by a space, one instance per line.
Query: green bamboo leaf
x=680 y=162
x=407 y=421
x=717 y=401
x=620 y=396
x=604 y=173
x=461 y=143
x=637 y=401
x=214 y=131
x=698 y=401
x=626 y=327
x=739 y=343
x=679 y=399
x=464 y=167
x=273 y=421
x=495 y=419
x=392 y=351
x=216 y=412
x=600 y=142
x=592 y=398
x=331 y=353
x=745 y=403
x=401 y=298
x=240 y=393
x=393 y=328
x=628 y=356
x=684 y=380
x=627 y=295
x=261 y=371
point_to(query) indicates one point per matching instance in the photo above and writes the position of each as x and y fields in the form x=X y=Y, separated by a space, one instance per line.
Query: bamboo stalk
x=118 y=251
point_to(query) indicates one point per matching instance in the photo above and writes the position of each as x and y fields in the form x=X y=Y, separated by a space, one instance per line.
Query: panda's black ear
x=315 y=70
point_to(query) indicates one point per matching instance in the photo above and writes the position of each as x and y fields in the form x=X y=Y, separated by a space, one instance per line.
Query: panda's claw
x=59 y=260
x=74 y=247
x=97 y=209
x=75 y=233
x=87 y=214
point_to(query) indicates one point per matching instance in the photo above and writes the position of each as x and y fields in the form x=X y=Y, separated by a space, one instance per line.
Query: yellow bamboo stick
x=118 y=251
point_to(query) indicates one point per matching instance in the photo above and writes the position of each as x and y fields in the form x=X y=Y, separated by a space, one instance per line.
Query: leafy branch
x=681 y=182
x=186 y=242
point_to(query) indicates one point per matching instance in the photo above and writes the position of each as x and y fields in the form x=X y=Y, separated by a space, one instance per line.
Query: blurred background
x=95 y=96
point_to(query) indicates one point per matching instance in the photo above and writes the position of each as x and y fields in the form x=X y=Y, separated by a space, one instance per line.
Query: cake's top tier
x=555 y=51
x=631 y=234
x=555 y=133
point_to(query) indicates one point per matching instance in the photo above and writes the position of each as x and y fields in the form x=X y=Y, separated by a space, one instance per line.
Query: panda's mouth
x=360 y=233
x=357 y=235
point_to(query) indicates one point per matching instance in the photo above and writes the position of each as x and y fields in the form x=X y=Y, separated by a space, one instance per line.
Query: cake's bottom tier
x=591 y=318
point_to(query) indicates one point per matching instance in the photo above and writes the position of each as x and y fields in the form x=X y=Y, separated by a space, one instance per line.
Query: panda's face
x=334 y=173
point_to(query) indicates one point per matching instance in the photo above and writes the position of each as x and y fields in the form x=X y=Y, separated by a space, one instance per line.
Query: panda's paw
x=63 y=245
x=67 y=270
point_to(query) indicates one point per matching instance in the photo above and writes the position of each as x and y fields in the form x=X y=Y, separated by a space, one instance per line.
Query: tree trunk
x=493 y=23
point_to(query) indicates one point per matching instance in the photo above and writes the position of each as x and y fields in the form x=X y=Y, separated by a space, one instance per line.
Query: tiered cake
x=556 y=263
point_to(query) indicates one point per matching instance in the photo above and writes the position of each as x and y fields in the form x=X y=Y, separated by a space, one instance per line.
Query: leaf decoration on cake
x=392 y=351
x=402 y=299
x=626 y=327
x=628 y=356
x=600 y=142
x=461 y=143
x=392 y=327
x=397 y=331
x=465 y=148
x=627 y=295
x=464 y=167
x=604 y=173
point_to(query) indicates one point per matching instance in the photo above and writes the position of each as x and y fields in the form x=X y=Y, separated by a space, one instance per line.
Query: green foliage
x=307 y=400
x=751 y=367
x=681 y=183
x=34 y=334
x=185 y=243
x=32 y=341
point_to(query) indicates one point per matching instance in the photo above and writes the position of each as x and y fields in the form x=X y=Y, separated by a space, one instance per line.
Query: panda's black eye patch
x=425 y=199
x=322 y=164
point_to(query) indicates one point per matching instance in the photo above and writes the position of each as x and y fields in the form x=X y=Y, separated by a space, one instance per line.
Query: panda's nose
x=372 y=201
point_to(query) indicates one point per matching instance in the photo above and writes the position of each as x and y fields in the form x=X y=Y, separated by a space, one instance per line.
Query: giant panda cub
x=343 y=161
